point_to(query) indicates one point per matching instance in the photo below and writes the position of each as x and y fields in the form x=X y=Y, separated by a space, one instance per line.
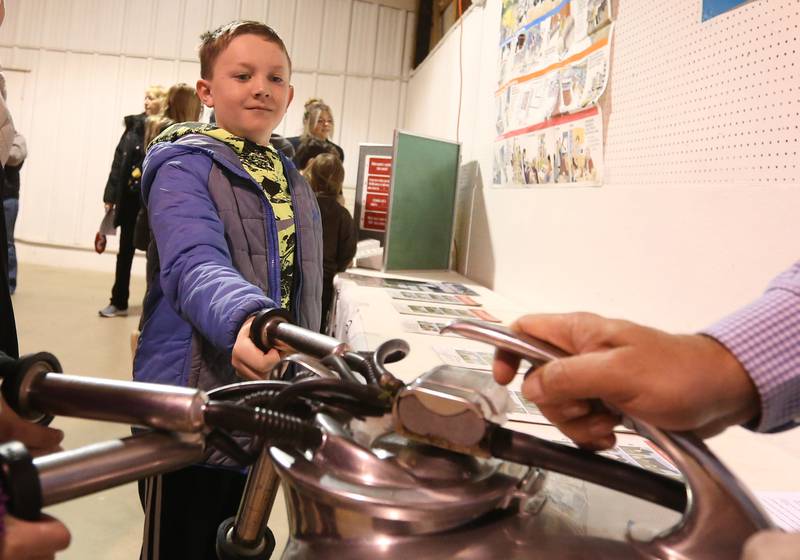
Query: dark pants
x=183 y=509
x=11 y=209
x=122 y=278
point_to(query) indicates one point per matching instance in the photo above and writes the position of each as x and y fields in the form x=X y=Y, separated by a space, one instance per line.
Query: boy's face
x=249 y=88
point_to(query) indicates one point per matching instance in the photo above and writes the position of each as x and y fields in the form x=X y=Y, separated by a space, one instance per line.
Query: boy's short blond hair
x=214 y=42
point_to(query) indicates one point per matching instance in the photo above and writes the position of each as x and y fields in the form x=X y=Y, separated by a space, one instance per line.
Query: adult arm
x=677 y=382
x=765 y=337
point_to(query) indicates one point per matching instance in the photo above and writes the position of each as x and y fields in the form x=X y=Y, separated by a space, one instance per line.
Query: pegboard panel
x=715 y=102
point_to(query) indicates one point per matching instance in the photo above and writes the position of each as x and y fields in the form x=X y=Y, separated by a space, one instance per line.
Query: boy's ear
x=203 y=89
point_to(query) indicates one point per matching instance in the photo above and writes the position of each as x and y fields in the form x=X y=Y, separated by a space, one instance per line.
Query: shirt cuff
x=765 y=338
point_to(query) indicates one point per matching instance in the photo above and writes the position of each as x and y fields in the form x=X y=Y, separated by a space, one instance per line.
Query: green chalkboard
x=420 y=225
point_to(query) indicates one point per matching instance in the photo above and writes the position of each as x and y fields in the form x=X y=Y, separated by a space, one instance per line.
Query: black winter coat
x=128 y=156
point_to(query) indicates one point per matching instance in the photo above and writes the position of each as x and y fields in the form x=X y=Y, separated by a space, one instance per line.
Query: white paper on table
x=783 y=507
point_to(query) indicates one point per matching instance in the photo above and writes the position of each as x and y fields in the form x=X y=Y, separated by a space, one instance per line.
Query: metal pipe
x=257 y=501
x=154 y=405
x=271 y=329
x=71 y=474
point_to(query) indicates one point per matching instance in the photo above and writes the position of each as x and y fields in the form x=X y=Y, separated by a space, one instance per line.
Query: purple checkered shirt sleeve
x=765 y=338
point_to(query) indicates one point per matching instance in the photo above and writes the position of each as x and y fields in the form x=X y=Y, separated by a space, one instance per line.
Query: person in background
x=10 y=195
x=318 y=124
x=745 y=370
x=123 y=193
x=238 y=231
x=325 y=174
x=20 y=540
x=311 y=148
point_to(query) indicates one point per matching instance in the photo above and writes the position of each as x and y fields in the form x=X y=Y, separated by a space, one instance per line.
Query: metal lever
x=533 y=349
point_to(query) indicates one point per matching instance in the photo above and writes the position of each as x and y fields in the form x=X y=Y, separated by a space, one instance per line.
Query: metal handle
x=271 y=329
x=127 y=402
x=58 y=477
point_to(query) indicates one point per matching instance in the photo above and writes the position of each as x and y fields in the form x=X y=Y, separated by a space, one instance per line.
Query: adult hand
x=772 y=545
x=250 y=362
x=676 y=382
x=33 y=540
x=38 y=439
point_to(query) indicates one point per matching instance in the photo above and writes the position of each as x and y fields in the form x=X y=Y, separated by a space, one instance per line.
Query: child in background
x=237 y=230
x=325 y=174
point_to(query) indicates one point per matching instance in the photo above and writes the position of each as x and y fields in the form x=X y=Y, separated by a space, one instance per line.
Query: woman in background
x=325 y=174
x=317 y=124
x=123 y=194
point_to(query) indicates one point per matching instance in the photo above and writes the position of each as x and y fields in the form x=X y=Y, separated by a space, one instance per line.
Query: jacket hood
x=196 y=143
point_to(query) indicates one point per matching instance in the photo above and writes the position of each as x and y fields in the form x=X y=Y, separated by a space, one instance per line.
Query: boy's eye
x=277 y=79
x=242 y=77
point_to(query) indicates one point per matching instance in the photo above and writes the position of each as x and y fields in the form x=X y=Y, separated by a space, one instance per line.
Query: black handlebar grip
x=17 y=374
x=20 y=482
x=258 y=328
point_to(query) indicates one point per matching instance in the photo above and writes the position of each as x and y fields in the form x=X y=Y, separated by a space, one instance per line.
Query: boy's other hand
x=33 y=540
x=250 y=362
x=676 y=382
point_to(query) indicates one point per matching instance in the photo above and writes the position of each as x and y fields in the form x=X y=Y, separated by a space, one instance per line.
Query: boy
x=237 y=230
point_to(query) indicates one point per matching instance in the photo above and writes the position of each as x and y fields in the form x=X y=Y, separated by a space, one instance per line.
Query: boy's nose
x=260 y=88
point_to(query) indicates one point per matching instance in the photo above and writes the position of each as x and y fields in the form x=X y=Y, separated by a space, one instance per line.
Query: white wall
x=700 y=203
x=78 y=66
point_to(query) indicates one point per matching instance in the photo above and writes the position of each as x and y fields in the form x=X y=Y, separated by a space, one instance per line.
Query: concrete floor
x=56 y=310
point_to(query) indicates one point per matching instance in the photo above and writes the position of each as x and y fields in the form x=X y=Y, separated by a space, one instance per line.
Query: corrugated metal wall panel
x=195 y=22
x=53 y=31
x=223 y=11
x=78 y=90
x=280 y=17
x=255 y=10
x=305 y=86
x=163 y=72
x=108 y=23
x=167 y=36
x=354 y=121
x=383 y=110
x=22 y=24
x=333 y=50
x=363 y=37
x=138 y=31
x=331 y=90
x=307 y=34
x=389 y=50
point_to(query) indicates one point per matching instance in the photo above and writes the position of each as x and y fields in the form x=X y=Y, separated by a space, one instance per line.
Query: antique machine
x=375 y=468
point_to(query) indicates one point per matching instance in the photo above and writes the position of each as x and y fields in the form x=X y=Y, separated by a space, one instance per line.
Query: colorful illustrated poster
x=554 y=64
x=375 y=195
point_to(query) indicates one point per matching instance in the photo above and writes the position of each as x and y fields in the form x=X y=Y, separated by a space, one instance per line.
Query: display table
x=372 y=307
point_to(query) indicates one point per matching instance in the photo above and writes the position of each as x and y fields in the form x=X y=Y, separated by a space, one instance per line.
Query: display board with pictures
x=554 y=67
